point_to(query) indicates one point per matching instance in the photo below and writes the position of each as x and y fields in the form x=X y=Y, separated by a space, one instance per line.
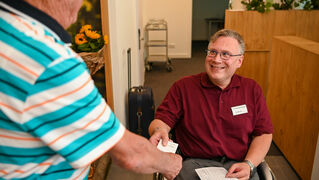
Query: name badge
x=241 y=109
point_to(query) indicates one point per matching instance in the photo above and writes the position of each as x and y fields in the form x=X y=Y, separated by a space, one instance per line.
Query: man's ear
x=240 y=61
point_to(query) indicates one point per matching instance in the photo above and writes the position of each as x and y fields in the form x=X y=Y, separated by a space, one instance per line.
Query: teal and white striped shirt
x=53 y=121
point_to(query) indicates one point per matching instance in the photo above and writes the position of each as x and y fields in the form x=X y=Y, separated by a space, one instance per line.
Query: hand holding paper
x=170 y=147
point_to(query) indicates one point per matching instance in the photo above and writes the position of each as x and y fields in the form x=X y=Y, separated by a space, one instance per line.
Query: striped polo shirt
x=53 y=121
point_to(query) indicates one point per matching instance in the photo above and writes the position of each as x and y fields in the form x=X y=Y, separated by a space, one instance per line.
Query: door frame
x=107 y=54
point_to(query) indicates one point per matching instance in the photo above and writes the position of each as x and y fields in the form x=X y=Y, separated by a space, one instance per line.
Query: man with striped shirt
x=53 y=121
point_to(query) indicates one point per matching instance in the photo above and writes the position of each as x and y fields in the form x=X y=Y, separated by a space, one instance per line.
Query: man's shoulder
x=190 y=78
x=187 y=82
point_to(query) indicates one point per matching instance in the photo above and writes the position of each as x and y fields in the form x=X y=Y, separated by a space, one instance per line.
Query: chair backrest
x=264 y=171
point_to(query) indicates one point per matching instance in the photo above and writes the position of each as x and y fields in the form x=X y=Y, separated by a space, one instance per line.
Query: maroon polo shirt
x=205 y=125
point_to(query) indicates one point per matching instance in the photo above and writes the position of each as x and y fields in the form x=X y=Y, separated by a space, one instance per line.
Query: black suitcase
x=141 y=109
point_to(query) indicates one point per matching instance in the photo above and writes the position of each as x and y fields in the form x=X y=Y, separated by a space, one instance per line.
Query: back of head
x=229 y=33
x=63 y=11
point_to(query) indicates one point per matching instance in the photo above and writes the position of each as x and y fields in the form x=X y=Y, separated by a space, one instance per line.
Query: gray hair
x=229 y=33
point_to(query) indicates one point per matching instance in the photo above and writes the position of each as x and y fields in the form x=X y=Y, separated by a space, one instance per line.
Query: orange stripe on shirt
x=20 y=138
x=10 y=107
x=45 y=164
x=3 y=172
x=19 y=65
x=24 y=23
x=82 y=172
x=85 y=126
x=58 y=97
x=21 y=171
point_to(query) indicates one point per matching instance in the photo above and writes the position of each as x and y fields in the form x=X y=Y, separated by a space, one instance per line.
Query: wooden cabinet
x=292 y=100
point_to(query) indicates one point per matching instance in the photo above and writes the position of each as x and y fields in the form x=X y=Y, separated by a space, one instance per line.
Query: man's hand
x=239 y=170
x=158 y=135
x=172 y=167
x=158 y=130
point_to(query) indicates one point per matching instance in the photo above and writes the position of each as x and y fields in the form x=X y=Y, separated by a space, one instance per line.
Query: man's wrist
x=252 y=168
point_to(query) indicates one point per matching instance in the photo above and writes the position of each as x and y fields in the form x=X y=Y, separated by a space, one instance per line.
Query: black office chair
x=263 y=169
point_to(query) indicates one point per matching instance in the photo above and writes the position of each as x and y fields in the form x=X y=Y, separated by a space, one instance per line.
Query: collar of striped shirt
x=20 y=7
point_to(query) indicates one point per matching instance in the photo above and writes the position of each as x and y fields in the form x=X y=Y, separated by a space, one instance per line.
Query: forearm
x=258 y=148
x=137 y=154
x=157 y=125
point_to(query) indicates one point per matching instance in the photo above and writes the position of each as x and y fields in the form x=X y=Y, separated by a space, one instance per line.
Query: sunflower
x=85 y=27
x=80 y=39
x=88 y=40
x=92 y=34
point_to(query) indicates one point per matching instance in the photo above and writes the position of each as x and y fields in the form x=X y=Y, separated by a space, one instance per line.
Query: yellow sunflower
x=92 y=34
x=80 y=39
x=85 y=27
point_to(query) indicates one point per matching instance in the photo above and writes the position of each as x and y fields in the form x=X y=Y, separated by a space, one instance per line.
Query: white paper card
x=213 y=173
x=170 y=147
x=237 y=110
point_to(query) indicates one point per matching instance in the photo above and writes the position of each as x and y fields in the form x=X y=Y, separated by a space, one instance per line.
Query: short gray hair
x=229 y=33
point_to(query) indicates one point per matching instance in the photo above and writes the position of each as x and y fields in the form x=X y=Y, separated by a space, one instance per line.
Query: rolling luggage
x=141 y=109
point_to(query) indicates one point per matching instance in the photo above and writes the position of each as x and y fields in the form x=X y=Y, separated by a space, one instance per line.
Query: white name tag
x=241 y=109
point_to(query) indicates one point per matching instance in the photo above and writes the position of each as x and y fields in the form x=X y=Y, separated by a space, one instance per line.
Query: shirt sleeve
x=171 y=109
x=263 y=122
x=65 y=111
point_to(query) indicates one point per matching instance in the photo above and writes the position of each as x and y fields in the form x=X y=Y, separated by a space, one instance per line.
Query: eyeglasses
x=223 y=55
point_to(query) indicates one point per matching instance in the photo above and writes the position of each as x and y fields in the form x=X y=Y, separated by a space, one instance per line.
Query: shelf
x=157 y=58
x=156 y=43
x=156 y=27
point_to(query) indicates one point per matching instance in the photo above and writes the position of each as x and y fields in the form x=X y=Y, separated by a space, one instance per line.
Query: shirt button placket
x=221 y=102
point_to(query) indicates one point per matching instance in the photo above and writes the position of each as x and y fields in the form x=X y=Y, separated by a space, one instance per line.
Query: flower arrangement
x=89 y=44
x=88 y=40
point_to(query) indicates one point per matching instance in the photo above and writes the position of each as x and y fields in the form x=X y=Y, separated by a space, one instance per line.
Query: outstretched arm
x=256 y=153
x=137 y=154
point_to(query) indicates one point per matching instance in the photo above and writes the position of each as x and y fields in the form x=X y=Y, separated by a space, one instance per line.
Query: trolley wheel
x=169 y=68
x=148 y=67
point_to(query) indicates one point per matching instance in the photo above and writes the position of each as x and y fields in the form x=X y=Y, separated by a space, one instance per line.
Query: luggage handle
x=129 y=68
x=139 y=128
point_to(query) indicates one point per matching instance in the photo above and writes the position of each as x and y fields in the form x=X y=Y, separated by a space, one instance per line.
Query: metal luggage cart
x=160 y=42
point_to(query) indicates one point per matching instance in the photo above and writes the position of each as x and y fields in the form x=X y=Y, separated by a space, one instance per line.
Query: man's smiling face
x=220 y=71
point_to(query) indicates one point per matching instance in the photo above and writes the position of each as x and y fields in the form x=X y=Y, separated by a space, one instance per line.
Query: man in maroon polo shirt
x=220 y=118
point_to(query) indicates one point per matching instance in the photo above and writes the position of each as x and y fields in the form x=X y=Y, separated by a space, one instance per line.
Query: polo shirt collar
x=22 y=8
x=206 y=82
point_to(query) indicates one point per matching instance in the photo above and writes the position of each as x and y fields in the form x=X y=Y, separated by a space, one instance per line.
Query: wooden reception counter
x=293 y=101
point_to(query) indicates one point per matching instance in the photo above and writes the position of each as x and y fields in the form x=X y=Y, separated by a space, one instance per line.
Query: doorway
x=208 y=17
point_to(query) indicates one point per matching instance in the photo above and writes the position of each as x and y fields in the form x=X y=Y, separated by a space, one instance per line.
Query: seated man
x=220 y=118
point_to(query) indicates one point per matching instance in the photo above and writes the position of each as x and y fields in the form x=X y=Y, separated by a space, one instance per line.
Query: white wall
x=178 y=14
x=123 y=20
x=236 y=5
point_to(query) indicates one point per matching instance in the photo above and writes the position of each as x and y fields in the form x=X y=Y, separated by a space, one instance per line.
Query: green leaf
x=92 y=45
x=85 y=45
